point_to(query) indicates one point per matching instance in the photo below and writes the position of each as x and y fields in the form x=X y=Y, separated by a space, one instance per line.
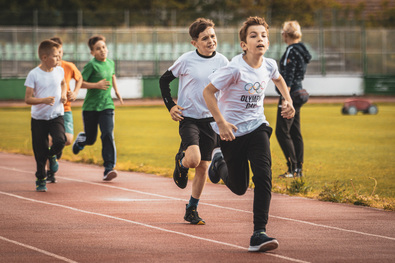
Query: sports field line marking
x=217 y=206
x=143 y=225
x=38 y=250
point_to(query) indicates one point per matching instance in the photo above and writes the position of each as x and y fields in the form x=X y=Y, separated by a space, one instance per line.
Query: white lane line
x=38 y=250
x=143 y=225
x=213 y=205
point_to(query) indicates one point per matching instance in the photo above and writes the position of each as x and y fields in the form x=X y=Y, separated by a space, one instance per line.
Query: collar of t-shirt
x=212 y=55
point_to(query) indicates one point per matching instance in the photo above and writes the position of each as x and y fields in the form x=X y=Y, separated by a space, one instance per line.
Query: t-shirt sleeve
x=178 y=67
x=30 y=80
x=76 y=72
x=87 y=71
x=275 y=74
x=222 y=78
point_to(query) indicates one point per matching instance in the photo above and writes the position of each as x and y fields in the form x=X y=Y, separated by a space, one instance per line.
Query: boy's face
x=100 y=50
x=206 y=43
x=51 y=59
x=60 y=55
x=257 y=40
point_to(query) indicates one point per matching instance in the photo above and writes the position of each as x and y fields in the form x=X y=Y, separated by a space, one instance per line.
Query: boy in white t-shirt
x=46 y=92
x=197 y=136
x=242 y=126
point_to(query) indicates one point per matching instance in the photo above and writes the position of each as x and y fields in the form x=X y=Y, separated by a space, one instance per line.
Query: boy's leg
x=91 y=122
x=283 y=127
x=106 y=124
x=297 y=139
x=40 y=131
x=235 y=171
x=57 y=132
x=69 y=127
x=260 y=159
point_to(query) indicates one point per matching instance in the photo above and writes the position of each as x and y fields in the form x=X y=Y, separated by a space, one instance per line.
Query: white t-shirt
x=192 y=71
x=46 y=84
x=242 y=90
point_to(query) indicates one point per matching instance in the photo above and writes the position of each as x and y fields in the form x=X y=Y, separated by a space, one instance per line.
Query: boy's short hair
x=251 y=21
x=93 y=40
x=57 y=40
x=292 y=29
x=46 y=47
x=199 y=26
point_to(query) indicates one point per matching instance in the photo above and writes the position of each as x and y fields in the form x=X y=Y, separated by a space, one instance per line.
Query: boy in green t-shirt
x=98 y=107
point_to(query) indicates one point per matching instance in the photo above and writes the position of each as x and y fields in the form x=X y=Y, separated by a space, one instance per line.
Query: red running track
x=139 y=218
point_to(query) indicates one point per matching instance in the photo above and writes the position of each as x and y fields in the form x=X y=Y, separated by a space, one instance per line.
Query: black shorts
x=198 y=132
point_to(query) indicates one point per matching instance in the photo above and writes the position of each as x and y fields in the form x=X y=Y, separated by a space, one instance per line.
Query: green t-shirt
x=94 y=71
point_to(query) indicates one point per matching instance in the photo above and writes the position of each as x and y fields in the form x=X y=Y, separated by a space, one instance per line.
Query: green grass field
x=345 y=156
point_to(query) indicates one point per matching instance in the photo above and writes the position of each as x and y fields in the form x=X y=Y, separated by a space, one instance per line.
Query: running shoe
x=109 y=175
x=81 y=137
x=180 y=174
x=41 y=185
x=192 y=216
x=287 y=174
x=260 y=242
x=53 y=164
x=213 y=173
x=51 y=177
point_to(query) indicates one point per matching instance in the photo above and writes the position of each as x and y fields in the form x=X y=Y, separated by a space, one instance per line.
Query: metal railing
x=146 y=51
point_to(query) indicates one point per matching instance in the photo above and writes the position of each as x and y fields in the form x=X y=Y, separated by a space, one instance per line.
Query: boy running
x=197 y=137
x=242 y=125
x=98 y=108
x=46 y=92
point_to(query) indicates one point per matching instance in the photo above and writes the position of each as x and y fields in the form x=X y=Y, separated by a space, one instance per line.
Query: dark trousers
x=253 y=147
x=290 y=138
x=105 y=120
x=40 y=131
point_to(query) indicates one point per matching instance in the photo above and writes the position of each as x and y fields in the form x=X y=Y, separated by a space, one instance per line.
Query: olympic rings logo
x=255 y=88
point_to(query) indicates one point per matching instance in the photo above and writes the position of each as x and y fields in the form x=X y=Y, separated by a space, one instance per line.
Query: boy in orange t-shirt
x=70 y=72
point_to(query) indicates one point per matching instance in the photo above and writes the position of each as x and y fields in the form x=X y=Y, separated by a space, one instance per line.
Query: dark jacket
x=293 y=65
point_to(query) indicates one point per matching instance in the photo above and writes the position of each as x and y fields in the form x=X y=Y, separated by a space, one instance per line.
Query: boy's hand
x=176 y=113
x=287 y=110
x=63 y=98
x=49 y=100
x=71 y=96
x=103 y=84
x=226 y=131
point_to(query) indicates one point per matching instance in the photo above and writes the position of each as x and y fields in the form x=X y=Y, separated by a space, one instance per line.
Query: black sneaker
x=260 y=242
x=51 y=177
x=109 y=175
x=81 y=137
x=180 y=174
x=192 y=216
x=213 y=169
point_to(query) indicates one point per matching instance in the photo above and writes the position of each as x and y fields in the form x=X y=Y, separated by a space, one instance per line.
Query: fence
x=150 y=51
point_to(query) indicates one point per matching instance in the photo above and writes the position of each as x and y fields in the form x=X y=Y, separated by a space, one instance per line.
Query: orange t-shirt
x=70 y=71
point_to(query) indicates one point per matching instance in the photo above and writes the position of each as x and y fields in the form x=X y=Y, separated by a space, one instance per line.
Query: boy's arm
x=114 y=85
x=63 y=96
x=164 y=85
x=72 y=95
x=29 y=99
x=287 y=110
x=102 y=84
x=225 y=128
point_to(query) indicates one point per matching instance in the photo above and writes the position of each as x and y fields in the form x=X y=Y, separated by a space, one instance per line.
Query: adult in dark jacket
x=293 y=65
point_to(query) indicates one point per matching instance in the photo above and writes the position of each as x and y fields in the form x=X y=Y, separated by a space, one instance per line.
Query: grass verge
x=348 y=159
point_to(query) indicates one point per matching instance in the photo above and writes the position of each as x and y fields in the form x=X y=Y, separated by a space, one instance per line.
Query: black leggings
x=253 y=147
